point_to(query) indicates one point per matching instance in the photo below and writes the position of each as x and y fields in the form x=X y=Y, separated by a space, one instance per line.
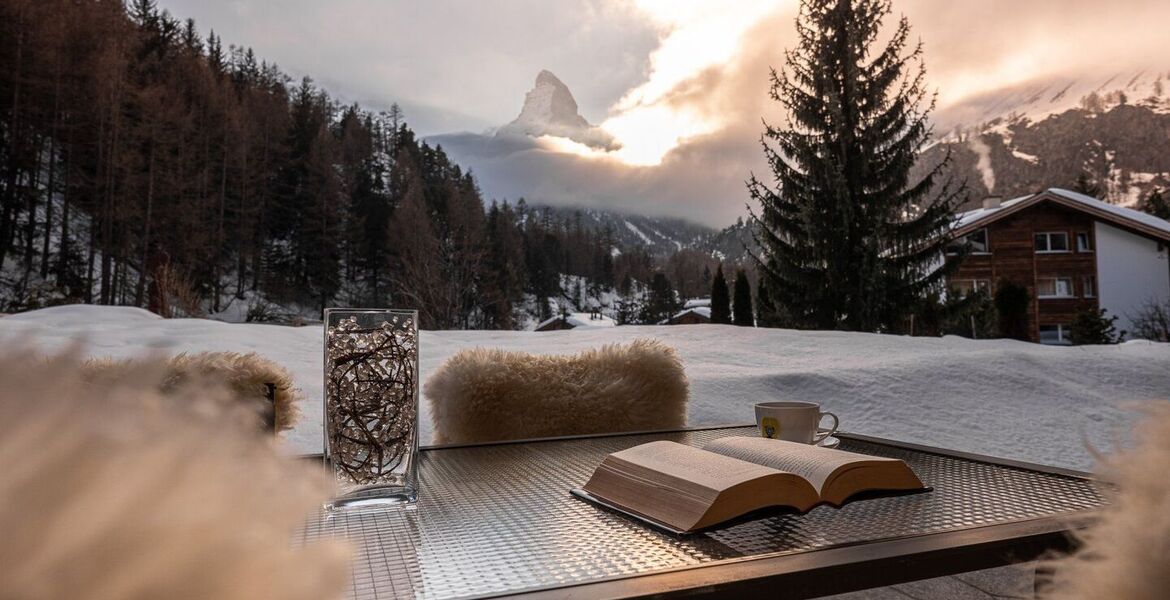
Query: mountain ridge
x=550 y=109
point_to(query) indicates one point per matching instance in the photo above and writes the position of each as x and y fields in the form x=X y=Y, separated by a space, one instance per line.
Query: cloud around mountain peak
x=550 y=109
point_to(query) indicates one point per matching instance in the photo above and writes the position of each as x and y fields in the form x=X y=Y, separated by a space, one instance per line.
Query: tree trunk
x=107 y=242
x=30 y=227
x=240 y=234
x=219 y=232
x=8 y=214
x=144 y=262
x=54 y=131
x=49 y=189
x=261 y=213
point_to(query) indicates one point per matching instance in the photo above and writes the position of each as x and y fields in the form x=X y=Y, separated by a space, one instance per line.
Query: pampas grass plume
x=111 y=490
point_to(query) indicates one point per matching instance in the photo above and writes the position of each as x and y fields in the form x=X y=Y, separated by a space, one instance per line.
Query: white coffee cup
x=793 y=421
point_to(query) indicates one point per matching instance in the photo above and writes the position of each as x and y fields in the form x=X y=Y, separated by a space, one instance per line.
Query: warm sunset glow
x=1007 y=71
x=697 y=35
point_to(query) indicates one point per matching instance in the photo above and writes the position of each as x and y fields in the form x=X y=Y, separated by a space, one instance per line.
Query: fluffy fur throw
x=486 y=395
x=1126 y=554
x=110 y=490
x=245 y=376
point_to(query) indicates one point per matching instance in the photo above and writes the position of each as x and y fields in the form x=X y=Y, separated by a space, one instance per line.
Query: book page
x=713 y=471
x=813 y=463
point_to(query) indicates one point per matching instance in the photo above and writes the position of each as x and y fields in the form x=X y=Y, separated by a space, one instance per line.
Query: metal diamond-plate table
x=498 y=520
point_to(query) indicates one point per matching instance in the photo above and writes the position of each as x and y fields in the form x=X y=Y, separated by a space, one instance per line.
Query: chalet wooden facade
x=1072 y=252
x=569 y=320
x=691 y=316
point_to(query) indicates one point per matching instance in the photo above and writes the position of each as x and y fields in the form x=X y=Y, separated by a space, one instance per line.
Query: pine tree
x=767 y=314
x=144 y=13
x=1086 y=185
x=661 y=301
x=742 y=312
x=849 y=240
x=720 y=299
x=1093 y=327
x=1011 y=308
x=1156 y=205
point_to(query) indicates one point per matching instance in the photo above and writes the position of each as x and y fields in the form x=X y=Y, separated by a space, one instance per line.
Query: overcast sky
x=685 y=78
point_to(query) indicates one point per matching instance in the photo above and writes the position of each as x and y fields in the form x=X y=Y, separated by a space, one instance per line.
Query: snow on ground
x=998 y=397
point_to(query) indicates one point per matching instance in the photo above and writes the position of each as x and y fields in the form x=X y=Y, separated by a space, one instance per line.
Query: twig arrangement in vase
x=371 y=404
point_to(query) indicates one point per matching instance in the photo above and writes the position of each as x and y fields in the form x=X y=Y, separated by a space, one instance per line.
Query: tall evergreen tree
x=742 y=313
x=661 y=302
x=767 y=314
x=1086 y=185
x=849 y=239
x=1011 y=309
x=720 y=299
x=1156 y=205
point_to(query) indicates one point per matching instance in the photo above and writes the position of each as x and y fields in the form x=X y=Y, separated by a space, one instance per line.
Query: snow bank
x=1005 y=398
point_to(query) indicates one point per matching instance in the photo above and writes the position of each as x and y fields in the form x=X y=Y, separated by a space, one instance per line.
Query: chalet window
x=1054 y=334
x=975 y=242
x=1054 y=287
x=1084 y=242
x=966 y=287
x=1052 y=241
x=1090 y=286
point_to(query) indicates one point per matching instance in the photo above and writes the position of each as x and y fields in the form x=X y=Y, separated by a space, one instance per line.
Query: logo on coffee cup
x=771 y=427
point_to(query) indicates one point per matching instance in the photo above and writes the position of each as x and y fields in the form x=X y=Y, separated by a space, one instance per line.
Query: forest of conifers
x=146 y=164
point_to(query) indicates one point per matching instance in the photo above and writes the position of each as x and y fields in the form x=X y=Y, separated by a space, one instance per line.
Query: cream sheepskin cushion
x=111 y=490
x=1126 y=554
x=484 y=395
x=244 y=376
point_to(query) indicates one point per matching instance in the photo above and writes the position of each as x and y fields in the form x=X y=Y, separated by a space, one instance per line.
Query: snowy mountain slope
x=659 y=235
x=664 y=236
x=1115 y=129
x=998 y=397
x=1038 y=99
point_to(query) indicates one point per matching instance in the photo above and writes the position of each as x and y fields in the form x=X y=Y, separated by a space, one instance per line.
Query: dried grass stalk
x=110 y=490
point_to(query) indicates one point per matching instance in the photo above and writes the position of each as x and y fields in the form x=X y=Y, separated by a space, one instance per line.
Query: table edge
x=970 y=456
x=842 y=569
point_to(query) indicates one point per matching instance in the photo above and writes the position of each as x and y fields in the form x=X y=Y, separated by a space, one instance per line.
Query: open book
x=682 y=488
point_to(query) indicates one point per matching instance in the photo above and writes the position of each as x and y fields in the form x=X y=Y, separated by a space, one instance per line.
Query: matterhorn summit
x=549 y=109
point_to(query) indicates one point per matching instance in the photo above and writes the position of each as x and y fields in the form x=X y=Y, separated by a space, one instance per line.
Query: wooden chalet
x=691 y=316
x=575 y=320
x=1072 y=252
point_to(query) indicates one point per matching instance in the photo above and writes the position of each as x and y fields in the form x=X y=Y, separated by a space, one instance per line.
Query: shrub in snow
x=972 y=316
x=1093 y=327
x=1152 y=322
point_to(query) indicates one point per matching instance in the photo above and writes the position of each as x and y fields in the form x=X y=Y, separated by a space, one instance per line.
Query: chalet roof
x=702 y=311
x=1128 y=218
x=580 y=319
x=697 y=302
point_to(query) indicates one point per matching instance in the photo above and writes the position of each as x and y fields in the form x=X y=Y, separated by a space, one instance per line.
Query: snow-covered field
x=1038 y=403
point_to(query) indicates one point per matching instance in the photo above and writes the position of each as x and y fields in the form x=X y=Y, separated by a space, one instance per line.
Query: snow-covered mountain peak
x=550 y=109
x=546 y=77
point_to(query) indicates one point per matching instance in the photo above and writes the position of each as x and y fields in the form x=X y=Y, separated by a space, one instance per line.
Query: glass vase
x=371 y=405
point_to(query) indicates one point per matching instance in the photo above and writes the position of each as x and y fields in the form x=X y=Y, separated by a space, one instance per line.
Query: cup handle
x=821 y=435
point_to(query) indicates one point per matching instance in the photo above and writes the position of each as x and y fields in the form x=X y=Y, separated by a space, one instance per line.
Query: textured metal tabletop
x=499 y=519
